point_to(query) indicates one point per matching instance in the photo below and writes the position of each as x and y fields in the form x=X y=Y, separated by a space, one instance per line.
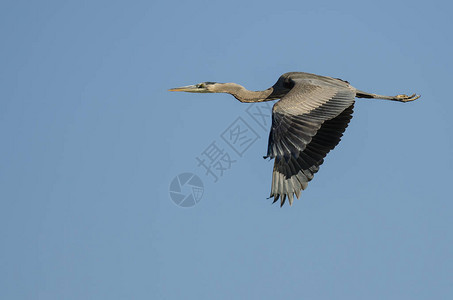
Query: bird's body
x=307 y=123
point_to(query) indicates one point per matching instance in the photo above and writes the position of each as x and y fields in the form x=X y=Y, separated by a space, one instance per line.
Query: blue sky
x=91 y=140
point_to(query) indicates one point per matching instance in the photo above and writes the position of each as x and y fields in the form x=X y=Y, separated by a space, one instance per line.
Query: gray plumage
x=307 y=123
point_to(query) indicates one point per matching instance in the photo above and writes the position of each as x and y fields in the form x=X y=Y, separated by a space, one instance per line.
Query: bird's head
x=204 y=87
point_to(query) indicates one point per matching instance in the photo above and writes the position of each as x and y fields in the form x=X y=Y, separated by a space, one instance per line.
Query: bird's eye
x=201 y=85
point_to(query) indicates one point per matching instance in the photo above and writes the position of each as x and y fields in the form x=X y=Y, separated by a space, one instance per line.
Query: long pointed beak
x=187 y=88
x=195 y=88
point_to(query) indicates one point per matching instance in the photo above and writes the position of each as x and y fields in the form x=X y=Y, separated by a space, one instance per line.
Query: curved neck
x=244 y=95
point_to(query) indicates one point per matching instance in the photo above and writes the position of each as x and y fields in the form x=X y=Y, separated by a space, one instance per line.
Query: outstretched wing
x=307 y=123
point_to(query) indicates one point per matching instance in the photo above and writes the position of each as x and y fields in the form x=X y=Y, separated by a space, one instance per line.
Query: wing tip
x=282 y=197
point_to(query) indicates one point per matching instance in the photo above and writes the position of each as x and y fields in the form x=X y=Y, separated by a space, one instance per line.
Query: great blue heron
x=307 y=123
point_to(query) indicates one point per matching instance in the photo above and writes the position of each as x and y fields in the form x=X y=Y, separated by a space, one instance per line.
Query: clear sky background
x=91 y=139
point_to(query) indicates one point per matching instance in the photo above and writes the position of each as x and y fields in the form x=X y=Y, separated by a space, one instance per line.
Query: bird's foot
x=406 y=98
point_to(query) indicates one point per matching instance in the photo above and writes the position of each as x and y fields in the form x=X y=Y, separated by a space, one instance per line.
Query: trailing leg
x=400 y=98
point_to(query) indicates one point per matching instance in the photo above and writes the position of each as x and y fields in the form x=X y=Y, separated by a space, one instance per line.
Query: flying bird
x=307 y=122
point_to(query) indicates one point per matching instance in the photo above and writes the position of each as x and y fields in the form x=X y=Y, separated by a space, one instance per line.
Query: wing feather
x=307 y=123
